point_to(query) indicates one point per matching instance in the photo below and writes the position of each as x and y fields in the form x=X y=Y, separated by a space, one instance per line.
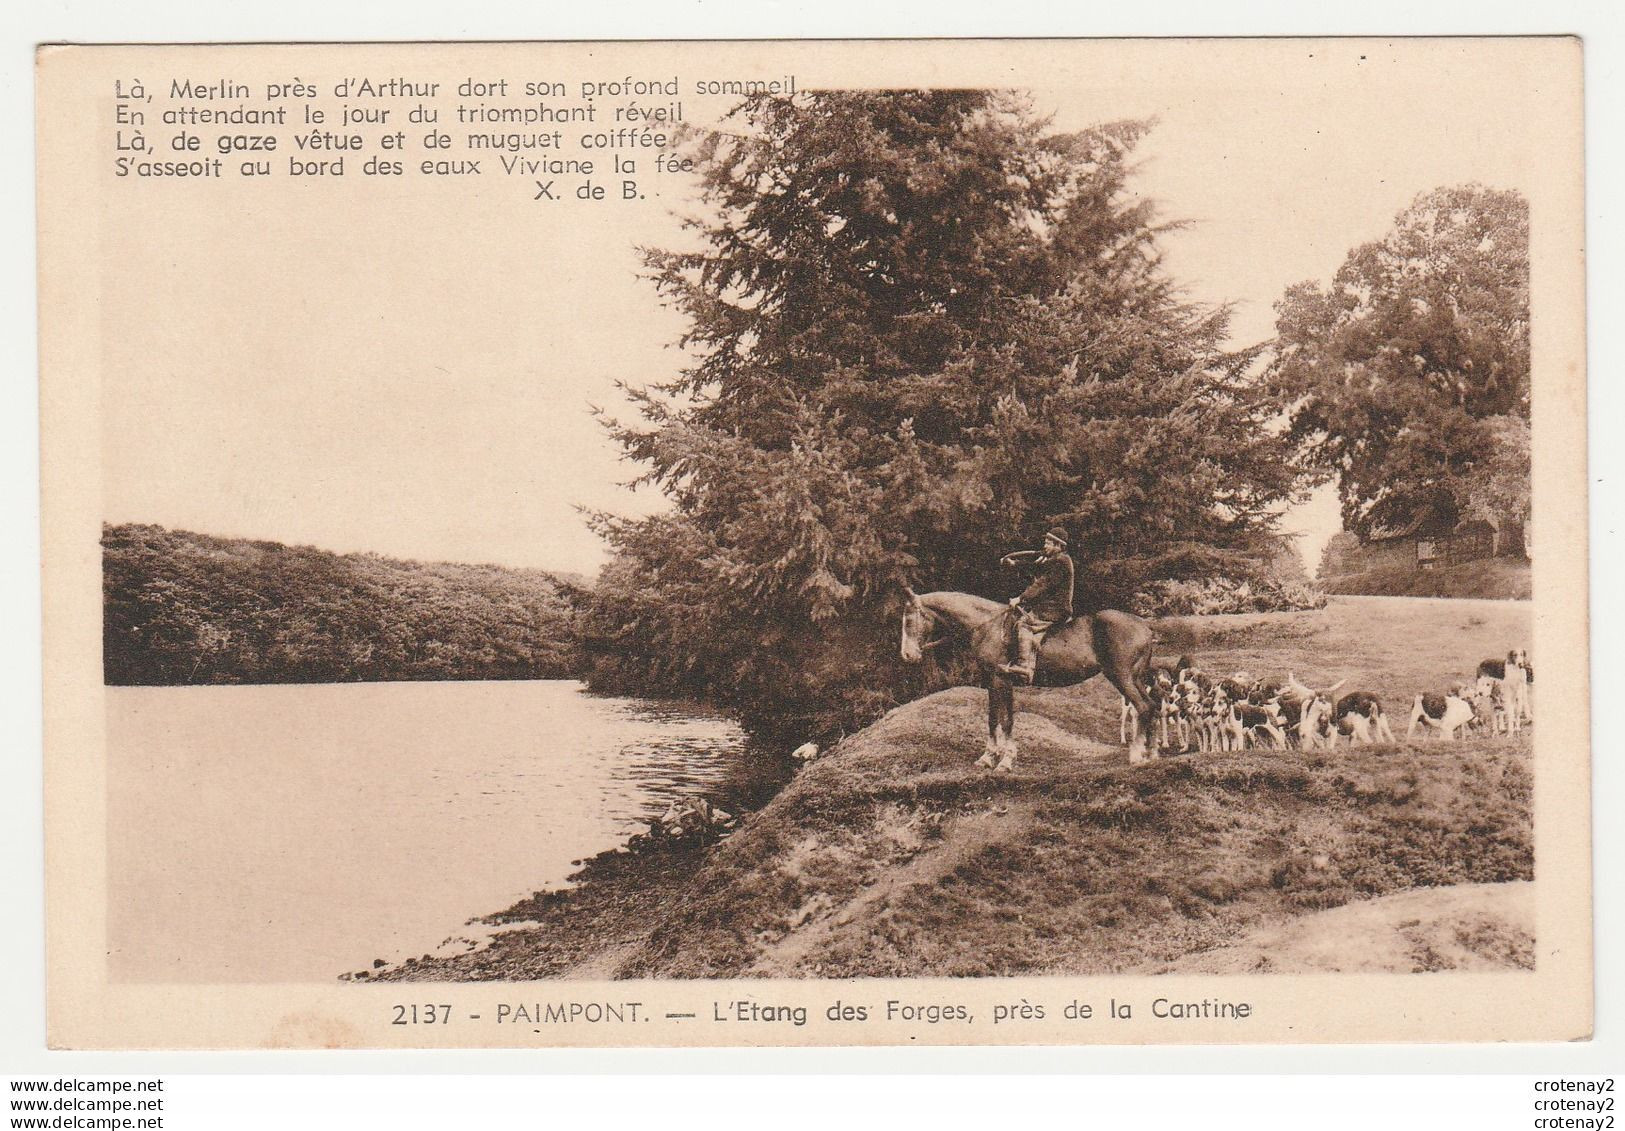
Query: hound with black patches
x=1263 y=724
x=1445 y=715
x=1164 y=677
x=1291 y=719
x=1263 y=690
x=1359 y=716
x=1192 y=694
x=1198 y=717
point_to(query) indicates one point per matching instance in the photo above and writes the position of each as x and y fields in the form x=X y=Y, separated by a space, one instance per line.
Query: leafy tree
x=1335 y=555
x=1499 y=486
x=1285 y=563
x=1407 y=374
x=923 y=328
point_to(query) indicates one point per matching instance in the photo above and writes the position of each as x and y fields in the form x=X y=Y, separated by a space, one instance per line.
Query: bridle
x=953 y=627
x=924 y=616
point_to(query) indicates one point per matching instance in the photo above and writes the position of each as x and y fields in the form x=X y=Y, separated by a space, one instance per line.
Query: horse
x=1108 y=641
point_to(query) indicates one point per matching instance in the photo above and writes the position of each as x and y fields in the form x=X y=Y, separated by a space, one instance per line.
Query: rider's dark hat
x=1058 y=534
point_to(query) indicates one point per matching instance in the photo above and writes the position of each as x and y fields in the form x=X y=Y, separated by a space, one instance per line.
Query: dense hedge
x=183 y=608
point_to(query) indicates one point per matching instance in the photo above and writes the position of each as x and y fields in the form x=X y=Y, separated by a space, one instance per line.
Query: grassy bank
x=1503 y=579
x=895 y=856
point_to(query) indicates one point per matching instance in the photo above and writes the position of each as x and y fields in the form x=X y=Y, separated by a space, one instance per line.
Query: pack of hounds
x=1196 y=711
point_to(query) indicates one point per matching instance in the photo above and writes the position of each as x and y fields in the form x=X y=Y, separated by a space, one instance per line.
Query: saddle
x=1014 y=612
x=1012 y=629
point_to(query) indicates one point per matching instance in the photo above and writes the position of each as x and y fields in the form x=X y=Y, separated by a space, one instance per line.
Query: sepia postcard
x=814 y=543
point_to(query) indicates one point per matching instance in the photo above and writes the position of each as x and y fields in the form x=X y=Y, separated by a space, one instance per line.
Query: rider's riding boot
x=1026 y=662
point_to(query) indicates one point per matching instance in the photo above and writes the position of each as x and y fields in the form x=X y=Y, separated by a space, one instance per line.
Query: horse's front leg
x=1141 y=747
x=1007 y=737
x=990 y=752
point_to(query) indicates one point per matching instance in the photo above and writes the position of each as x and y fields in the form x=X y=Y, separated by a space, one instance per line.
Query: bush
x=1211 y=595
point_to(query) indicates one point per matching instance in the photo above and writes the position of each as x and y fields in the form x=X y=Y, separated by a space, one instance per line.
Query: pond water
x=292 y=833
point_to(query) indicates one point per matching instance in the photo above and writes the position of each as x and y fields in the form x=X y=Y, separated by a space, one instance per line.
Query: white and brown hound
x=1490 y=699
x=1314 y=710
x=1445 y=715
x=1515 y=675
x=1489 y=706
x=1225 y=725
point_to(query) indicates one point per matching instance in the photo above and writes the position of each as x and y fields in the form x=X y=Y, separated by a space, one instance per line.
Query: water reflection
x=692 y=757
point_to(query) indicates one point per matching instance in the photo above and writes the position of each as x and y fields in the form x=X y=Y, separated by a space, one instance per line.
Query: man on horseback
x=1047 y=601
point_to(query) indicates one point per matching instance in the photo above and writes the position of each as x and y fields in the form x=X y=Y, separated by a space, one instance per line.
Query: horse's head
x=917 y=626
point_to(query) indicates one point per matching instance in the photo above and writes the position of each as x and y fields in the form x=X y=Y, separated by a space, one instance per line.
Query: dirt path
x=1466 y=927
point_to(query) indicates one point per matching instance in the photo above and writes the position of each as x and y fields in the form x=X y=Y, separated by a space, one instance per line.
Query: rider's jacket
x=1049 y=597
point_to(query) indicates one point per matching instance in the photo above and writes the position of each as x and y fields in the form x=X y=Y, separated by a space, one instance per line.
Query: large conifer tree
x=924 y=329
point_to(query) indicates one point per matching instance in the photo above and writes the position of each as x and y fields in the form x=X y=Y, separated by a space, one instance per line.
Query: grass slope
x=895 y=856
x=1494 y=578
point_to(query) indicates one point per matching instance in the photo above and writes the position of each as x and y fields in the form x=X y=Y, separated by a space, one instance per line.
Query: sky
x=410 y=368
